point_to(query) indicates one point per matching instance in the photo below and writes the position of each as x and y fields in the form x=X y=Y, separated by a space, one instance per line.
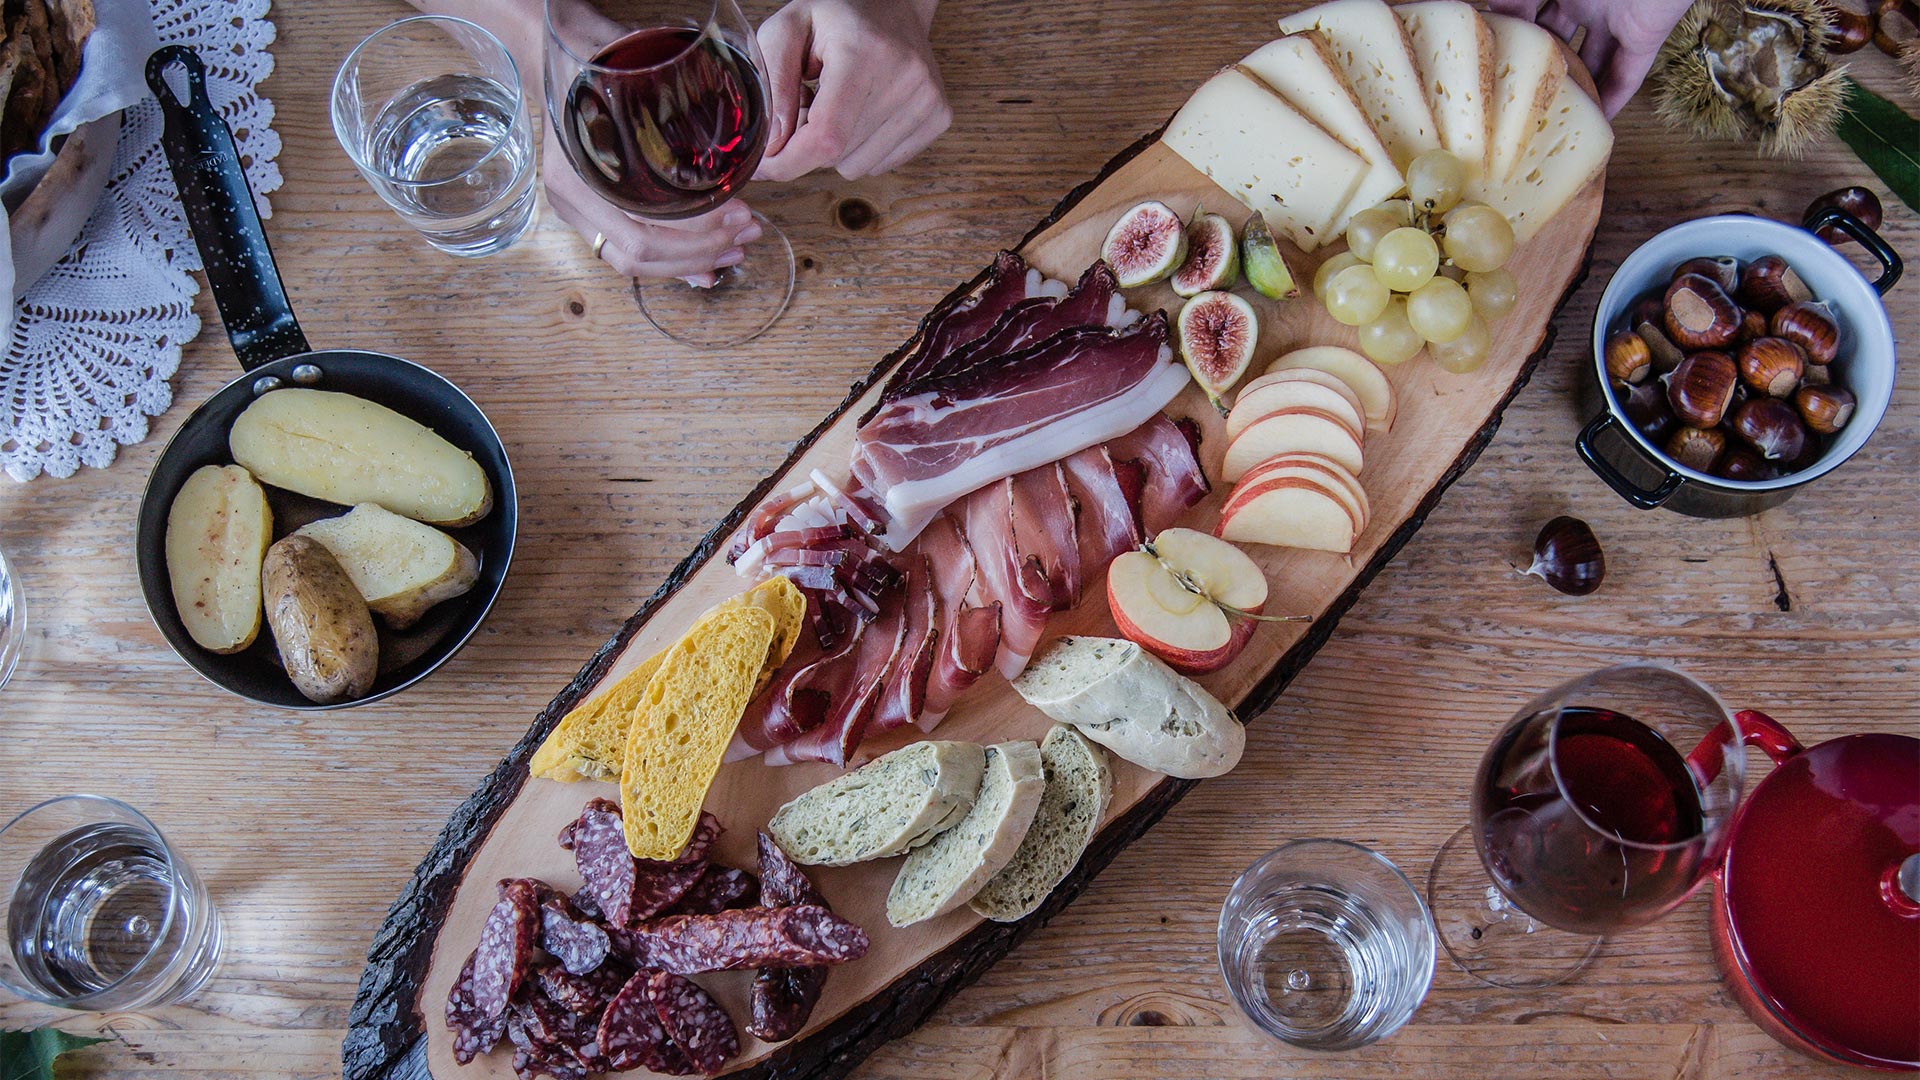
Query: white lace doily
x=95 y=340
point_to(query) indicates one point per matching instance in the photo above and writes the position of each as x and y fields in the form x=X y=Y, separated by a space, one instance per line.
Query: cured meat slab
x=506 y=828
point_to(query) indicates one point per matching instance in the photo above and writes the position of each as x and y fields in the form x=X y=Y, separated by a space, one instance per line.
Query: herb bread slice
x=946 y=873
x=893 y=803
x=1123 y=698
x=1078 y=787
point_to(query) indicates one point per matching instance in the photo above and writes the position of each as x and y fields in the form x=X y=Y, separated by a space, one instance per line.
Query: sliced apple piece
x=1325 y=465
x=1292 y=431
x=1285 y=394
x=1313 y=375
x=1172 y=600
x=1292 y=513
x=1366 y=378
x=1269 y=473
x=1221 y=572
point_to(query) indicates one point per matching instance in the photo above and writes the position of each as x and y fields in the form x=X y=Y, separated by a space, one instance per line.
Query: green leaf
x=1886 y=139
x=29 y=1055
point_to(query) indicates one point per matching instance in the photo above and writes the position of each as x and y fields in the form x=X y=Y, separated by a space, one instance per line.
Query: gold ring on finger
x=599 y=241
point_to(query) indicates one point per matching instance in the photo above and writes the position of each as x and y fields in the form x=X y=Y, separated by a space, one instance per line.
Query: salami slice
x=693 y=1020
x=782 y=882
x=629 y=890
x=585 y=996
x=579 y=946
x=473 y=1032
x=505 y=951
x=805 y=935
x=633 y=1037
x=781 y=1001
x=585 y=905
x=719 y=888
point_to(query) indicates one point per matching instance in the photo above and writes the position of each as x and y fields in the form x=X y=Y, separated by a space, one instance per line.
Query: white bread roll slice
x=1079 y=784
x=890 y=805
x=1528 y=68
x=401 y=567
x=1123 y=698
x=1454 y=49
x=1371 y=48
x=946 y=873
x=1300 y=68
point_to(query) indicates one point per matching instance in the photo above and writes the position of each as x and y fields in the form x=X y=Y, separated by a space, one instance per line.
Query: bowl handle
x=1890 y=265
x=1625 y=488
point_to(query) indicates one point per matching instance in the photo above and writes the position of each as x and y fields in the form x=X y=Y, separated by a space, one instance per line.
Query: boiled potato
x=400 y=566
x=348 y=450
x=217 y=531
x=321 y=624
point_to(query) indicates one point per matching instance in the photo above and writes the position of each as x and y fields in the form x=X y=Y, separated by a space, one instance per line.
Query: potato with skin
x=349 y=450
x=323 y=627
x=401 y=567
x=218 y=529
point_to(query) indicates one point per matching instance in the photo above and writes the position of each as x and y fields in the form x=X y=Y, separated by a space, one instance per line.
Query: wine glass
x=1600 y=806
x=661 y=107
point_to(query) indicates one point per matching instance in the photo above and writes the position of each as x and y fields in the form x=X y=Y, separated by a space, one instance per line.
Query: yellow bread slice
x=1372 y=50
x=1528 y=67
x=590 y=743
x=1300 y=68
x=686 y=719
x=1569 y=150
x=1454 y=49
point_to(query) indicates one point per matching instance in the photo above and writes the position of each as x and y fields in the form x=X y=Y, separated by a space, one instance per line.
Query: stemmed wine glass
x=661 y=107
x=1600 y=806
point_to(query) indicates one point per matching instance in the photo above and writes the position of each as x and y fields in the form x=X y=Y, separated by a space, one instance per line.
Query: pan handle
x=220 y=210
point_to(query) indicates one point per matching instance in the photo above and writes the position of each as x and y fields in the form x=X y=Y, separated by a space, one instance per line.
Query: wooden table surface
x=627 y=449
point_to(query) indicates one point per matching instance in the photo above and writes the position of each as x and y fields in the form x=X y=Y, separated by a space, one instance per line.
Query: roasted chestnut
x=1701 y=388
x=1861 y=202
x=1740 y=463
x=1769 y=284
x=1628 y=358
x=1723 y=270
x=1646 y=408
x=1700 y=314
x=1772 y=427
x=1772 y=365
x=1825 y=409
x=1696 y=448
x=1810 y=325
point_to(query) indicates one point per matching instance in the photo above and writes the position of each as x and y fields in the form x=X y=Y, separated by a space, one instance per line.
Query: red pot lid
x=1829 y=939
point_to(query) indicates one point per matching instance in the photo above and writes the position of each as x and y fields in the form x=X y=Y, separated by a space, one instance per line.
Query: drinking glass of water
x=13 y=619
x=1326 y=945
x=432 y=113
x=102 y=913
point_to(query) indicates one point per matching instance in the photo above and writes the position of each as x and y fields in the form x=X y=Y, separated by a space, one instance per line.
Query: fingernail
x=748 y=235
x=700 y=281
x=730 y=257
x=737 y=217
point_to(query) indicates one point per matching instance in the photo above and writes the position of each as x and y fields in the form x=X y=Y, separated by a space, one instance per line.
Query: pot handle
x=220 y=210
x=1890 y=265
x=1604 y=469
x=1750 y=727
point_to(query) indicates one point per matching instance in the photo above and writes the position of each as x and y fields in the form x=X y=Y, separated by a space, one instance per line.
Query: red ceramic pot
x=1816 y=910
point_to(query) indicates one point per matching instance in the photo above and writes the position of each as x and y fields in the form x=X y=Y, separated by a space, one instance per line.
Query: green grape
x=1439 y=310
x=1331 y=267
x=1405 y=259
x=1390 y=339
x=1493 y=293
x=1479 y=238
x=1355 y=295
x=1401 y=209
x=1365 y=229
x=1435 y=180
x=1466 y=352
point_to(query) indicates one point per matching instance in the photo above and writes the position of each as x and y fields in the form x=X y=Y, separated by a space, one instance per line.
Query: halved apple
x=1289 y=431
x=1172 y=600
x=1319 y=471
x=1366 y=378
x=1291 y=512
x=1313 y=375
x=1281 y=395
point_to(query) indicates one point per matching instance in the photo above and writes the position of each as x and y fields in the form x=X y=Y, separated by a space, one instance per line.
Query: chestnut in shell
x=1628 y=357
x=1646 y=408
x=1567 y=556
x=1772 y=427
x=1700 y=314
x=1701 y=388
x=1772 y=365
x=1698 y=449
x=1810 y=325
x=1769 y=284
x=1861 y=202
x=1723 y=269
x=1742 y=464
x=1825 y=409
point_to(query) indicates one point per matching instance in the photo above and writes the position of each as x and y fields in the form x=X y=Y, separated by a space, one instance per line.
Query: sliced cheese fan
x=1454 y=50
x=1372 y=50
x=1266 y=154
x=1528 y=68
x=1568 y=152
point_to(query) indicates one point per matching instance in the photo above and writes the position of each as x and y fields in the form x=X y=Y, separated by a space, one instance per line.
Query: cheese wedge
x=1568 y=152
x=1528 y=68
x=1300 y=68
x=1371 y=48
x=1454 y=50
x=1263 y=152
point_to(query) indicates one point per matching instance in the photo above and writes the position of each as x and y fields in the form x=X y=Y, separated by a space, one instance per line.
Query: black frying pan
x=274 y=353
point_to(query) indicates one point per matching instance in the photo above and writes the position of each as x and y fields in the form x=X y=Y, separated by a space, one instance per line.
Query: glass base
x=746 y=299
x=1487 y=936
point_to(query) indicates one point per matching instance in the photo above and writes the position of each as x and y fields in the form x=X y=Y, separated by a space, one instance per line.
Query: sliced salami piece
x=633 y=1037
x=586 y=905
x=694 y=1021
x=628 y=890
x=580 y=946
x=567 y=832
x=782 y=882
x=782 y=999
x=719 y=889
x=657 y=887
x=505 y=951
x=806 y=935
x=473 y=1032
x=584 y=995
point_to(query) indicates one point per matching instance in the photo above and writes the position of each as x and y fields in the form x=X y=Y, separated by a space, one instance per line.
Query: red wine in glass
x=666 y=122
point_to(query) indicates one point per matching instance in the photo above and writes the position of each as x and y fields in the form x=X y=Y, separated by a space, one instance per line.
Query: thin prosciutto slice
x=904 y=694
x=969 y=635
x=1003 y=577
x=1009 y=282
x=1172 y=481
x=1095 y=300
x=860 y=677
x=1078 y=388
x=1105 y=525
x=1044 y=535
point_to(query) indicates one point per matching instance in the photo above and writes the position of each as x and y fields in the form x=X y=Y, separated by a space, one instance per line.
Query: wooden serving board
x=507 y=827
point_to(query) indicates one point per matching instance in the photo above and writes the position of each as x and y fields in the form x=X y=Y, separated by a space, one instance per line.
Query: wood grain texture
x=307 y=827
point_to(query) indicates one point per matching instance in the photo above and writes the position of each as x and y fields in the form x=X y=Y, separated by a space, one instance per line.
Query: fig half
x=1213 y=257
x=1145 y=245
x=1217 y=332
x=1266 y=268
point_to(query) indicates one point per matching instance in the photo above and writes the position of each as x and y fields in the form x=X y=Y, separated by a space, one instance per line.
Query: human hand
x=1623 y=36
x=690 y=249
x=880 y=100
